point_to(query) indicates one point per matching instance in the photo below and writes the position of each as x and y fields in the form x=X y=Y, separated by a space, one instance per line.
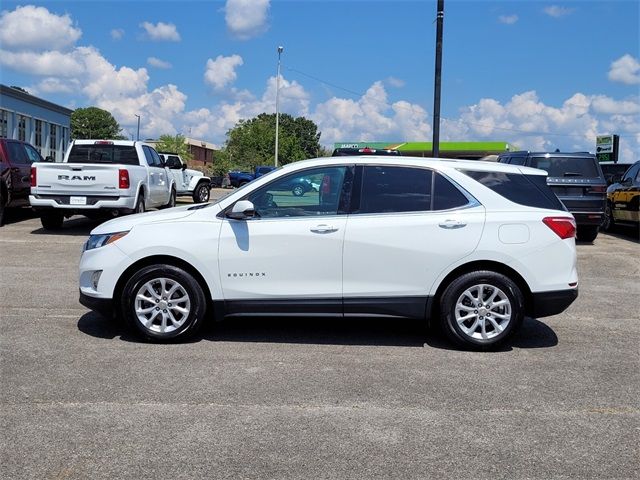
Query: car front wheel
x=163 y=303
x=481 y=309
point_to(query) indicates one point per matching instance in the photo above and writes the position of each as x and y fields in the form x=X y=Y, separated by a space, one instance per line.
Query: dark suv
x=576 y=179
x=623 y=202
x=16 y=158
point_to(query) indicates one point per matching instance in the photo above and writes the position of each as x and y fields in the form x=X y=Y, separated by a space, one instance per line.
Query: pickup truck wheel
x=201 y=193
x=172 y=200
x=140 y=205
x=481 y=309
x=52 y=221
x=163 y=303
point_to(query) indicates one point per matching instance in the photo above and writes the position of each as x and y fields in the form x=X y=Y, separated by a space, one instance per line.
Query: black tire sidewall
x=140 y=205
x=196 y=194
x=191 y=286
x=52 y=221
x=459 y=285
x=586 y=233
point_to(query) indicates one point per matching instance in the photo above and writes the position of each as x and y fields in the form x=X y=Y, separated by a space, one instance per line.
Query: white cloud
x=508 y=19
x=222 y=71
x=161 y=31
x=556 y=11
x=35 y=28
x=156 y=62
x=395 y=82
x=54 y=85
x=246 y=18
x=117 y=33
x=626 y=69
x=42 y=63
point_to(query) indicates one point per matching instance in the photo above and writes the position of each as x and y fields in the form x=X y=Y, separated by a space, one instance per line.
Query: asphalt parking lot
x=81 y=398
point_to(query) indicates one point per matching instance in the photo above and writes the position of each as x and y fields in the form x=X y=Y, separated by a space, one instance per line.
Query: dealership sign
x=607 y=148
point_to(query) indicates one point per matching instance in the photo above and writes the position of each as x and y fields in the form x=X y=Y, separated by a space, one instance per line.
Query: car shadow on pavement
x=324 y=331
x=77 y=226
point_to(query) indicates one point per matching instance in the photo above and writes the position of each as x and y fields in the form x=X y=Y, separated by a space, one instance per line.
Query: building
x=43 y=124
x=202 y=152
x=462 y=150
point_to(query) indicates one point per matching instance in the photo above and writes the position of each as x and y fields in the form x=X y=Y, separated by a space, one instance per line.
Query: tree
x=93 y=122
x=175 y=144
x=252 y=142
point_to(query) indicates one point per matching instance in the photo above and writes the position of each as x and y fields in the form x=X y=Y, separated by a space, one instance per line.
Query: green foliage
x=252 y=142
x=175 y=144
x=221 y=164
x=93 y=122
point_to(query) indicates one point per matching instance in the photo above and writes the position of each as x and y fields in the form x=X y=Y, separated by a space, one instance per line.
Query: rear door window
x=390 y=189
x=446 y=195
x=99 y=153
x=17 y=154
x=585 y=167
x=529 y=190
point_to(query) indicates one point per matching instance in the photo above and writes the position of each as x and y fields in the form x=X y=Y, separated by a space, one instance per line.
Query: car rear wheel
x=140 y=205
x=172 y=200
x=201 y=193
x=609 y=222
x=481 y=309
x=52 y=221
x=298 y=190
x=587 y=233
x=163 y=303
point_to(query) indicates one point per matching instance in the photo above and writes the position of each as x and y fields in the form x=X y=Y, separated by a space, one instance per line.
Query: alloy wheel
x=483 y=312
x=162 y=305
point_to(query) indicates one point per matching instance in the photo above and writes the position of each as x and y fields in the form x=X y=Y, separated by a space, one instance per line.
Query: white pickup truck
x=99 y=178
x=188 y=182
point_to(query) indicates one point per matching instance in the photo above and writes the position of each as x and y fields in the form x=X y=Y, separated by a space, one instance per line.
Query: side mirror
x=184 y=166
x=242 y=210
x=616 y=178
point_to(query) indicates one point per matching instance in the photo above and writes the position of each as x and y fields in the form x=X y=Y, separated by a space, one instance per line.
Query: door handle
x=324 y=229
x=452 y=224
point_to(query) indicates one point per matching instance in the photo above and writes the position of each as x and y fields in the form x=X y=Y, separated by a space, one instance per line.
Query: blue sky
x=543 y=75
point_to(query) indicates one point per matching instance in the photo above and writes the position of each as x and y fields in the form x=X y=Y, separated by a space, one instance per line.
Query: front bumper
x=545 y=304
x=103 y=306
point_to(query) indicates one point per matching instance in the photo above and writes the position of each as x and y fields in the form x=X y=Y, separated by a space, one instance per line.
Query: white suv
x=477 y=245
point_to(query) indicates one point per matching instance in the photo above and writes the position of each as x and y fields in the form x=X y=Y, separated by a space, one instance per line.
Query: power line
x=462 y=122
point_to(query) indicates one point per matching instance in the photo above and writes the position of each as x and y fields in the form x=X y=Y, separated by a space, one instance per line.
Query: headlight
x=97 y=241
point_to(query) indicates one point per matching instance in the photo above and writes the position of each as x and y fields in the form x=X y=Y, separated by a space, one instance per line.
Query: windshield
x=120 y=154
x=567 y=166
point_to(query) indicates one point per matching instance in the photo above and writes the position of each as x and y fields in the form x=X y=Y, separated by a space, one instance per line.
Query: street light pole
x=280 y=50
x=138 y=135
x=438 y=77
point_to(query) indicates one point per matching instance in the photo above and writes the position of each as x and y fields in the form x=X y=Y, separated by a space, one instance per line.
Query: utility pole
x=280 y=49
x=438 y=79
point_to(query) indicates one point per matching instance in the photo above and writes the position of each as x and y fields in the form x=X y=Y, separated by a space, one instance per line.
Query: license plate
x=77 y=200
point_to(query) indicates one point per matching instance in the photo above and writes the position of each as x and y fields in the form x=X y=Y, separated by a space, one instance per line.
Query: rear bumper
x=545 y=304
x=588 y=218
x=103 y=306
x=62 y=202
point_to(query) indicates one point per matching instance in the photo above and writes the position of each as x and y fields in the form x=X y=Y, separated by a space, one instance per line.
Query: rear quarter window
x=586 y=167
x=529 y=190
x=117 y=154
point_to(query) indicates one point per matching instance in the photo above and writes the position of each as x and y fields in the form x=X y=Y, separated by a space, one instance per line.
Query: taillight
x=33 y=176
x=123 y=178
x=597 y=189
x=564 y=227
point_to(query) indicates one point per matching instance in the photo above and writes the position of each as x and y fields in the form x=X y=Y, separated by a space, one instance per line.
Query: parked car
x=475 y=245
x=238 y=179
x=623 y=200
x=346 y=152
x=188 y=182
x=577 y=180
x=613 y=171
x=101 y=178
x=16 y=158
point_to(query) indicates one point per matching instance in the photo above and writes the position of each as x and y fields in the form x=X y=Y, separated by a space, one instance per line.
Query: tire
x=172 y=200
x=609 y=223
x=52 y=221
x=242 y=184
x=587 y=233
x=177 y=320
x=140 y=204
x=478 y=331
x=2 y=210
x=201 y=193
x=298 y=190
